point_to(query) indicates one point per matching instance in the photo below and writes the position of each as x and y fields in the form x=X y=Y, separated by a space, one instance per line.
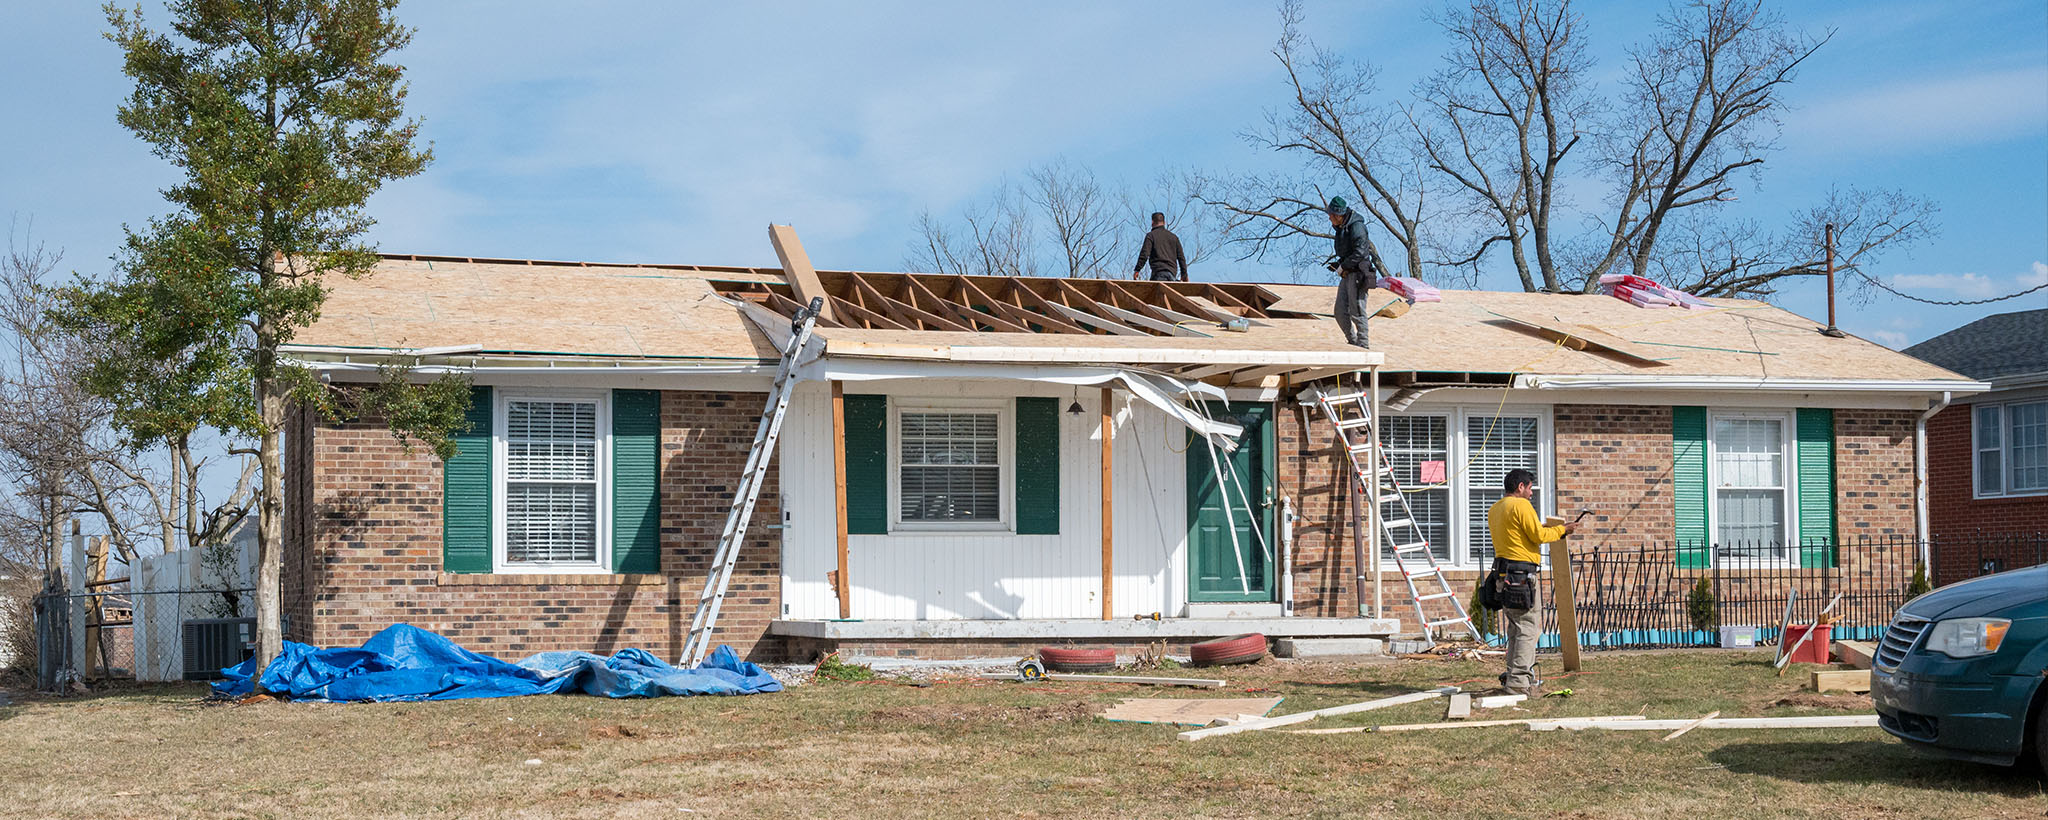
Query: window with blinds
x=1495 y=446
x=1419 y=448
x=949 y=467
x=1749 y=487
x=551 y=476
x=1452 y=466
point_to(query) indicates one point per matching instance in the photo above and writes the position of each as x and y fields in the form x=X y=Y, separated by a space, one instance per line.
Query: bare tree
x=1082 y=216
x=1177 y=194
x=1741 y=258
x=1337 y=128
x=995 y=238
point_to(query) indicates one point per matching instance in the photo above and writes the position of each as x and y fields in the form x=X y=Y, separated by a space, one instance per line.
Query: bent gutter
x=1542 y=382
x=1921 y=526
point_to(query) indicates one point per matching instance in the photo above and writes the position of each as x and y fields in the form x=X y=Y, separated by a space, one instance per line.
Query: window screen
x=1415 y=446
x=1749 y=491
x=1496 y=446
x=2028 y=448
x=1990 y=462
x=949 y=467
x=551 y=476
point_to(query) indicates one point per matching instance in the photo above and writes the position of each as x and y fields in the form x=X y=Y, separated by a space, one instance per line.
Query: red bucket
x=1815 y=650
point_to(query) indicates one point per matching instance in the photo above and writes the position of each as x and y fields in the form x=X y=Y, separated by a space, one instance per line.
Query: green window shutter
x=867 y=465
x=1816 y=481
x=1689 y=485
x=636 y=481
x=466 y=492
x=1038 y=466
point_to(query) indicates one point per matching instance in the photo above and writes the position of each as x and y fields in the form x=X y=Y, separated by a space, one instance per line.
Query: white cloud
x=2036 y=277
x=1958 y=285
x=1889 y=338
x=1941 y=111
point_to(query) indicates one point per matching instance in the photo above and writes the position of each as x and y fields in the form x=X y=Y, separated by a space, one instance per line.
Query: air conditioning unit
x=213 y=644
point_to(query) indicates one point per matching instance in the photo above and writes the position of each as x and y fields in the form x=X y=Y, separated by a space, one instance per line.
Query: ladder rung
x=1398 y=523
x=1451 y=621
x=1342 y=397
x=1412 y=547
x=1437 y=571
x=1435 y=595
x=1348 y=424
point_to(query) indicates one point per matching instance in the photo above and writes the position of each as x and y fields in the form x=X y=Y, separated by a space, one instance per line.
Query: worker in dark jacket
x=1162 y=251
x=1353 y=265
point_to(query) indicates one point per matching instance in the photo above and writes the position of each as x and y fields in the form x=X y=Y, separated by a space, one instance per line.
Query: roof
x=676 y=314
x=2004 y=344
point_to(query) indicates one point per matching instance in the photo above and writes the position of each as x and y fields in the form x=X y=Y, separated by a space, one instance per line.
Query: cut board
x=1856 y=653
x=1840 y=680
x=1581 y=337
x=1187 y=711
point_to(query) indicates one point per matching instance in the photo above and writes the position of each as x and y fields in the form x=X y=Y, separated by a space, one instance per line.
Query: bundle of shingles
x=1648 y=293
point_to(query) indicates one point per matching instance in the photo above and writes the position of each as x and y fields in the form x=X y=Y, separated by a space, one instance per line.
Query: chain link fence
x=138 y=635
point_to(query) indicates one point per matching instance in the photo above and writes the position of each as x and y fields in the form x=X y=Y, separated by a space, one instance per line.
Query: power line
x=1959 y=302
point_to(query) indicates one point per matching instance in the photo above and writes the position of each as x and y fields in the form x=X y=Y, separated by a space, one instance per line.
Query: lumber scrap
x=1808 y=722
x=1460 y=707
x=1839 y=680
x=1693 y=725
x=1188 y=711
x=1498 y=701
x=1856 y=653
x=1197 y=683
x=1304 y=717
x=1455 y=724
x=797 y=265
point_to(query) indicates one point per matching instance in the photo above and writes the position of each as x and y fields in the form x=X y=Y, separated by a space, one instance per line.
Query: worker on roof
x=1353 y=265
x=1162 y=251
x=1518 y=539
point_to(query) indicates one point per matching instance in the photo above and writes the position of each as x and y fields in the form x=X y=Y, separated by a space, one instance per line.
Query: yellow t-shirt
x=1518 y=535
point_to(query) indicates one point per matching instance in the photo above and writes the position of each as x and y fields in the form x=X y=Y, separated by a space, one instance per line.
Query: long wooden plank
x=1856 y=653
x=1454 y=724
x=1562 y=596
x=1108 y=508
x=1187 y=711
x=839 y=582
x=1147 y=322
x=1304 y=717
x=796 y=264
x=1086 y=318
x=1693 y=725
x=1810 y=722
x=1580 y=337
x=1840 y=680
x=1194 y=683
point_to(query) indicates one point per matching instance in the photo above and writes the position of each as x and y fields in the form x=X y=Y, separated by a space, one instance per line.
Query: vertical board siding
x=1037 y=472
x=1816 y=485
x=636 y=476
x=1689 y=485
x=976 y=575
x=466 y=492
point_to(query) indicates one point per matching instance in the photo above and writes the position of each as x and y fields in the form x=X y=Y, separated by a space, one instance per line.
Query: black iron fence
x=1692 y=594
x=1962 y=557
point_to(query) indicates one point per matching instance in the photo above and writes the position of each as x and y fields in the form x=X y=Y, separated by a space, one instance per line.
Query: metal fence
x=1962 y=557
x=1681 y=595
x=117 y=633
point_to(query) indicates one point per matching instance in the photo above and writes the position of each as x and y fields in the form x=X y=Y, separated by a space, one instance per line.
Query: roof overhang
x=1644 y=382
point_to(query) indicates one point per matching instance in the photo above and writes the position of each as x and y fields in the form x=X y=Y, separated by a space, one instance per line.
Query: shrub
x=831 y=667
x=1483 y=619
x=1699 y=606
x=1919 y=585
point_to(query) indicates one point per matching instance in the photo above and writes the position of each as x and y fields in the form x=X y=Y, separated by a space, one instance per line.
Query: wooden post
x=96 y=614
x=1108 y=511
x=1567 y=607
x=840 y=587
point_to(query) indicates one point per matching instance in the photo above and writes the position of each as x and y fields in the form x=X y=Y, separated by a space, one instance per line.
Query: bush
x=831 y=667
x=1699 y=606
x=1483 y=619
x=17 y=625
x=1919 y=585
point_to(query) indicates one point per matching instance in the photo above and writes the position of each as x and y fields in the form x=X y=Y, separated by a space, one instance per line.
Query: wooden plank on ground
x=1193 y=683
x=1187 y=711
x=1693 y=725
x=1304 y=717
x=1498 y=701
x=1460 y=708
x=1856 y=653
x=1809 y=722
x=796 y=264
x=1840 y=680
x=1456 y=724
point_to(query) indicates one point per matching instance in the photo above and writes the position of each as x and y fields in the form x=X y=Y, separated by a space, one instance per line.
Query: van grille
x=1898 y=640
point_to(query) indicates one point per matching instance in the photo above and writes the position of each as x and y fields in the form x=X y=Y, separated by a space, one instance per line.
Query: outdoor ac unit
x=213 y=644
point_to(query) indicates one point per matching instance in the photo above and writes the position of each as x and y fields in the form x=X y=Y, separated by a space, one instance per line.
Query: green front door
x=1221 y=568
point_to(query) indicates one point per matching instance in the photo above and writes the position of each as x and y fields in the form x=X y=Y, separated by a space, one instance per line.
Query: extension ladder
x=697 y=643
x=1352 y=417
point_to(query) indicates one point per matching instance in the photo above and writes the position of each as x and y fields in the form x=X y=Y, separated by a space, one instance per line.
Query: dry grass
x=984 y=749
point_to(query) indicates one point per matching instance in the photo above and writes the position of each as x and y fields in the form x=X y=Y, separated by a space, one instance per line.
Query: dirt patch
x=618 y=732
x=977 y=713
x=1813 y=700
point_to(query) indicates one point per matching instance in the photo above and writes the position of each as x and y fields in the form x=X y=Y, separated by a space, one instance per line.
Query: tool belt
x=1511 y=585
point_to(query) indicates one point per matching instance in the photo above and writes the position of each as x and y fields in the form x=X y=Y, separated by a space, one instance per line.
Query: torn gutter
x=1628 y=382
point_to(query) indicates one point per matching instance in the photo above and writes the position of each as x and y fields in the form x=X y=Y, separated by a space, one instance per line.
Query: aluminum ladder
x=1352 y=417
x=697 y=643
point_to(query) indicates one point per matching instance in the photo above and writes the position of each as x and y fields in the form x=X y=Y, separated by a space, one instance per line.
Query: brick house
x=981 y=512
x=1987 y=452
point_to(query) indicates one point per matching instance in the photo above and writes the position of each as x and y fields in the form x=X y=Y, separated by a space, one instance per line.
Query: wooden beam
x=872 y=318
x=1078 y=305
x=974 y=318
x=1207 y=370
x=1855 y=653
x=1304 y=717
x=1259 y=373
x=1809 y=722
x=1561 y=596
x=1086 y=318
x=1840 y=680
x=905 y=312
x=1149 y=323
x=789 y=307
x=1108 y=508
x=1049 y=317
x=997 y=316
x=796 y=264
x=839 y=581
x=1456 y=724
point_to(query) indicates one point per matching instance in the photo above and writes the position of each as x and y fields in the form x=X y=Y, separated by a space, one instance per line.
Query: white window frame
x=1789 y=499
x=503 y=402
x=1458 y=453
x=1006 y=464
x=2004 y=449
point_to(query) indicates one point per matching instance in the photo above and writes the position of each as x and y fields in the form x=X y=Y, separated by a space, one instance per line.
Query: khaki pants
x=1521 y=626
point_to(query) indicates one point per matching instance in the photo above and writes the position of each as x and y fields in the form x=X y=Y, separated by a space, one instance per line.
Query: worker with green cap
x=1353 y=265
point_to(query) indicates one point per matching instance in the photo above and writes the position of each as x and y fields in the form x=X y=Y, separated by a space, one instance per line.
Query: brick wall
x=1967 y=530
x=1615 y=460
x=1313 y=473
x=370 y=550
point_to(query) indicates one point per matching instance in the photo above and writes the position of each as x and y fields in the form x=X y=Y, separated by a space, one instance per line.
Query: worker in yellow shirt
x=1518 y=537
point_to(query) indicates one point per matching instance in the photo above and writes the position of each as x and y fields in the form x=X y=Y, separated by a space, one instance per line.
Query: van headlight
x=1967 y=637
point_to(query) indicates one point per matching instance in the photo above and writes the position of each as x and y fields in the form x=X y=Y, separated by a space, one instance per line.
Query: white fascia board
x=1111 y=356
x=1624 y=382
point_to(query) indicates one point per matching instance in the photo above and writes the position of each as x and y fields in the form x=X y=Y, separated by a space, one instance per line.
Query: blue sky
x=620 y=131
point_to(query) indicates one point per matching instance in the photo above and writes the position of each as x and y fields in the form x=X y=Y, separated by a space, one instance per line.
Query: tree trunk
x=270 y=501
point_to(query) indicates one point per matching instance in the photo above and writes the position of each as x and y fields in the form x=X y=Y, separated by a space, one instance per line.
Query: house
x=983 y=511
x=1988 y=451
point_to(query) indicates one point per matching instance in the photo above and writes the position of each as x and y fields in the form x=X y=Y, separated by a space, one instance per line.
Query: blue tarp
x=404 y=662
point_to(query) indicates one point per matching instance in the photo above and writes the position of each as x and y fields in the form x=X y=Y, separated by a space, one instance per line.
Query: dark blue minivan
x=1960 y=672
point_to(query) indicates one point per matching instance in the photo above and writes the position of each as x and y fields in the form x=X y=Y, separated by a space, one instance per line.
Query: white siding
x=972 y=575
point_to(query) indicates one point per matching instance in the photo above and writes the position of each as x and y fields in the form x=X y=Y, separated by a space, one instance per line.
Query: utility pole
x=1828 y=240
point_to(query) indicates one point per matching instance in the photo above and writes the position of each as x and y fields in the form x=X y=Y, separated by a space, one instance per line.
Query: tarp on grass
x=405 y=662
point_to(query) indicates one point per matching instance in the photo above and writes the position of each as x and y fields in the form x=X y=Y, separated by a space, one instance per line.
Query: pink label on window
x=1432 y=472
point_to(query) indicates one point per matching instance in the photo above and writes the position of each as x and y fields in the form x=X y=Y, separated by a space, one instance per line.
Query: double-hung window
x=1750 y=479
x=2011 y=447
x=1451 y=463
x=552 y=484
x=951 y=463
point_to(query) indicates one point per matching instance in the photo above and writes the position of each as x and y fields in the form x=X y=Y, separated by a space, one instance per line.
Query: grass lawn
x=989 y=749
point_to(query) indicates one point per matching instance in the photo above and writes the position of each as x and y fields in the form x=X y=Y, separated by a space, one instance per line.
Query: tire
x=1071 y=659
x=1236 y=649
x=2041 y=734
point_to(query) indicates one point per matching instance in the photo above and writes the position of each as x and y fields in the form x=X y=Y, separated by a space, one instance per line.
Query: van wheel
x=2041 y=734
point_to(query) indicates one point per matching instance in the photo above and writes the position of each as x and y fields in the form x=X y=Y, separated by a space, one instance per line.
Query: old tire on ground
x=1071 y=659
x=1232 y=650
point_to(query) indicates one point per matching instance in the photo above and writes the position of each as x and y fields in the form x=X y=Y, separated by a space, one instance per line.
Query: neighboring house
x=614 y=407
x=1988 y=451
